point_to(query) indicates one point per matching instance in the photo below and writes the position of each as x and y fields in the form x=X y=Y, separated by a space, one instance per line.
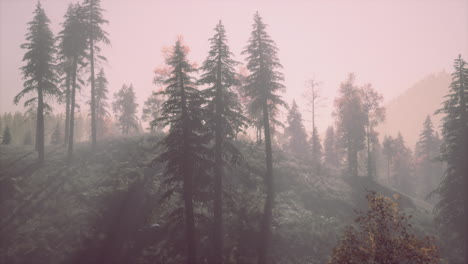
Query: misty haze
x=211 y=132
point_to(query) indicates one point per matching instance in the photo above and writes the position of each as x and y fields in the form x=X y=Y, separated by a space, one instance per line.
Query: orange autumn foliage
x=382 y=236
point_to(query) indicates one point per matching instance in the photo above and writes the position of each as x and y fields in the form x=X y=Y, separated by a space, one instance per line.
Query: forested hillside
x=204 y=153
x=106 y=208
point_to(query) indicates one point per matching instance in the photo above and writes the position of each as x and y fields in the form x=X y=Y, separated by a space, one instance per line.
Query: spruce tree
x=185 y=151
x=296 y=133
x=402 y=165
x=39 y=71
x=374 y=114
x=388 y=149
x=262 y=86
x=72 y=50
x=152 y=111
x=101 y=104
x=426 y=152
x=95 y=35
x=224 y=120
x=125 y=109
x=452 y=208
x=351 y=120
x=316 y=144
x=330 y=145
x=6 y=139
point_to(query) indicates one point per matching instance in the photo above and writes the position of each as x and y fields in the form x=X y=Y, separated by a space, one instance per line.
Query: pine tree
x=330 y=145
x=56 y=136
x=224 y=119
x=296 y=133
x=95 y=35
x=316 y=144
x=454 y=152
x=6 y=139
x=262 y=86
x=185 y=152
x=101 y=104
x=426 y=152
x=72 y=52
x=39 y=71
x=388 y=149
x=374 y=114
x=125 y=109
x=402 y=165
x=152 y=111
x=351 y=120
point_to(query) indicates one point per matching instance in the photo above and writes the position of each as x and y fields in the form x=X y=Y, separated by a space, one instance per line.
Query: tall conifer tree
x=72 y=51
x=39 y=72
x=262 y=86
x=95 y=35
x=185 y=150
x=125 y=108
x=330 y=145
x=351 y=119
x=296 y=132
x=224 y=119
x=101 y=101
x=453 y=189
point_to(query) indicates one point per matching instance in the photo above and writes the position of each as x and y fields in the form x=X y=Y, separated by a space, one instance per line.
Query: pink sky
x=391 y=44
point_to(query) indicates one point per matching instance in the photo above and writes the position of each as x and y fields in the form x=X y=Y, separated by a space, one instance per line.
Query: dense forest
x=216 y=166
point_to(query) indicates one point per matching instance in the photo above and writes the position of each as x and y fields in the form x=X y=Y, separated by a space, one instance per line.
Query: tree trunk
x=93 y=95
x=67 y=109
x=265 y=235
x=72 y=111
x=40 y=123
x=188 y=183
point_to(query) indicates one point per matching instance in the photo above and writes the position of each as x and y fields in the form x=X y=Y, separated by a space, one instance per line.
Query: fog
x=391 y=44
x=222 y=132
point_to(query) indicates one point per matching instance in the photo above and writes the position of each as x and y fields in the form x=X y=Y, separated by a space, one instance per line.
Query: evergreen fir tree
x=6 y=138
x=296 y=133
x=95 y=35
x=427 y=150
x=72 y=51
x=125 y=109
x=152 y=111
x=351 y=120
x=374 y=114
x=101 y=103
x=39 y=71
x=262 y=86
x=185 y=152
x=316 y=144
x=224 y=120
x=402 y=165
x=388 y=149
x=452 y=208
x=330 y=145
